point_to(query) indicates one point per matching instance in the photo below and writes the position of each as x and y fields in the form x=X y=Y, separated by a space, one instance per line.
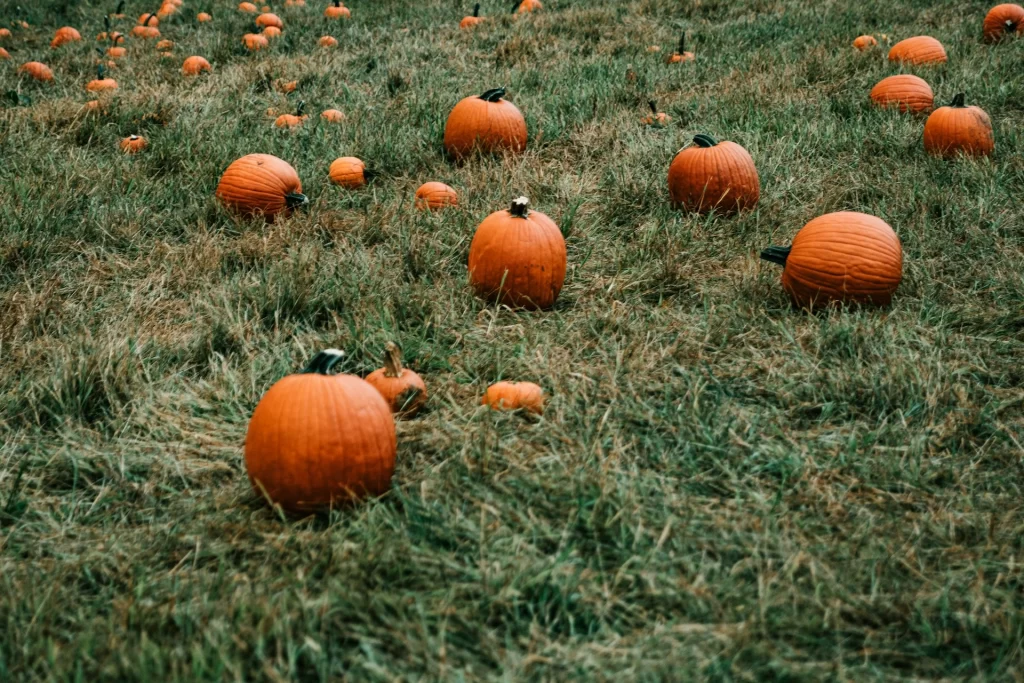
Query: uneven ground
x=722 y=487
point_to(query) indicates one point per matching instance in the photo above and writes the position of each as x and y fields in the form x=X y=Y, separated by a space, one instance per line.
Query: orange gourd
x=101 y=83
x=918 y=50
x=348 y=172
x=332 y=116
x=316 y=440
x=1003 y=20
x=402 y=389
x=904 y=91
x=518 y=258
x=337 y=11
x=473 y=19
x=525 y=396
x=195 y=65
x=261 y=184
x=133 y=144
x=488 y=122
x=713 y=175
x=841 y=258
x=435 y=196
x=863 y=43
x=681 y=54
x=958 y=129
x=36 y=70
x=327 y=41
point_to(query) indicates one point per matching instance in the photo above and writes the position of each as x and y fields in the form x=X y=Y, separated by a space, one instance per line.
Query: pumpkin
x=65 y=34
x=863 y=43
x=518 y=258
x=286 y=86
x=713 y=175
x=261 y=184
x=332 y=115
x=681 y=54
x=656 y=118
x=149 y=19
x=4 y=54
x=119 y=11
x=294 y=3
x=918 y=50
x=514 y=396
x=5 y=33
x=316 y=440
x=905 y=91
x=1003 y=20
x=337 y=11
x=254 y=41
x=167 y=55
x=327 y=41
x=133 y=144
x=487 y=122
x=527 y=6
x=402 y=388
x=268 y=19
x=165 y=45
x=271 y=32
x=434 y=196
x=247 y=7
x=348 y=172
x=36 y=70
x=101 y=83
x=473 y=19
x=292 y=120
x=166 y=10
x=195 y=65
x=204 y=17
x=841 y=258
x=147 y=27
x=958 y=129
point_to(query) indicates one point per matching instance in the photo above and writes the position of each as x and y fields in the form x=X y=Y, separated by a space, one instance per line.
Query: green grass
x=722 y=488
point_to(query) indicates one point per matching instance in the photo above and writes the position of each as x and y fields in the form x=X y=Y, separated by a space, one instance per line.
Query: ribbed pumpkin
x=402 y=389
x=332 y=116
x=261 y=184
x=36 y=70
x=64 y=35
x=195 y=65
x=713 y=175
x=514 y=396
x=133 y=144
x=434 y=196
x=473 y=19
x=958 y=129
x=863 y=43
x=348 y=172
x=844 y=257
x=518 y=257
x=488 y=122
x=337 y=11
x=918 y=50
x=317 y=441
x=904 y=91
x=101 y=83
x=269 y=19
x=1003 y=20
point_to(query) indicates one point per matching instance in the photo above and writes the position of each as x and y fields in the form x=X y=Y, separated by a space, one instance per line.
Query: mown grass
x=722 y=487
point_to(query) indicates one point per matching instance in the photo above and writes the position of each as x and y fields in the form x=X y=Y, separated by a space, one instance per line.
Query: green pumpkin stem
x=703 y=140
x=120 y=8
x=295 y=200
x=337 y=3
x=324 y=362
x=776 y=255
x=99 y=69
x=476 y=10
x=106 y=24
x=682 y=43
x=958 y=100
x=654 y=106
x=299 y=109
x=520 y=207
x=392 y=360
x=493 y=95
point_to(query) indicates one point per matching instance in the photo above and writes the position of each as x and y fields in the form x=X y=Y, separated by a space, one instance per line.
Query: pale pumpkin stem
x=654 y=106
x=520 y=207
x=324 y=362
x=392 y=360
x=295 y=200
x=493 y=95
x=776 y=255
x=958 y=100
x=703 y=140
x=476 y=10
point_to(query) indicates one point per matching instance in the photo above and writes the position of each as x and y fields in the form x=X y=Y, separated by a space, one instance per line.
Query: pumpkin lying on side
x=841 y=258
x=958 y=129
x=713 y=175
x=261 y=184
x=514 y=396
x=904 y=91
x=918 y=50
x=348 y=172
x=489 y=123
x=316 y=440
x=435 y=196
x=402 y=388
x=1002 y=21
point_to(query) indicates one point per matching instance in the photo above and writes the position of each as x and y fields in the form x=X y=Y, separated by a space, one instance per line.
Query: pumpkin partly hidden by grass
x=918 y=50
x=841 y=258
x=518 y=258
x=473 y=19
x=402 y=389
x=514 y=396
x=1002 y=21
x=37 y=71
x=527 y=6
x=332 y=116
x=681 y=54
x=959 y=129
x=337 y=11
x=195 y=65
x=317 y=441
x=905 y=92
x=488 y=122
x=863 y=43
x=435 y=196
x=133 y=144
x=261 y=184
x=64 y=35
x=713 y=175
x=101 y=83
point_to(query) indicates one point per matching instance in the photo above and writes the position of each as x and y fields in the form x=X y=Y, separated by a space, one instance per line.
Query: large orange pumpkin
x=316 y=440
x=958 y=129
x=843 y=257
x=348 y=172
x=261 y=184
x=905 y=91
x=918 y=50
x=488 y=122
x=514 y=396
x=434 y=196
x=713 y=175
x=402 y=388
x=518 y=257
x=1003 y=20
x=36 y=70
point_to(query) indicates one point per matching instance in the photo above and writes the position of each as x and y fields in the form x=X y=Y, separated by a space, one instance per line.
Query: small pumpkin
x=518 y=258
x=1003 y=20
x=337 y=11
x=435 y=196
x=527 y=6
x=488 y=122
x=101 y=83
x=116 y=52
x=165 y=45
x=133 y=144
x=656 y=118
x=525 y=396
x=918 y=50
x=269 y=19
x=248 y=7
x=166 y=10
x=841 y=258
x=473 y=19
x=147 y=29
x=713 y=175
x=681 y=54
x=904 y=91
x=204 y=17
x=327 y=41
x=402 y=388
x=64 y=35
x=149 y=19
x=4 y=54
x=37 y=71
x=261 y=184
x=863 y=43
x=254 y=41
x=348 y=172
x=271 y=32
x=332 y=115
x=292 y=120
x=118 y=11
x=959 y=129
x=286 y=86
x=294 y=3
x=316 y=441
x=195 y=65
x=5 y=33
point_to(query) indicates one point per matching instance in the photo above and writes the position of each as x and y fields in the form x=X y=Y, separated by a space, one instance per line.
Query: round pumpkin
x=959 y=129
x=905 y=92
x=402 y=389
x=195 y=65
x=204 y=17
x=147 y=32
x=133 y=144
x=435 y=196
x=863 y=43
x=269 y=19
x=332 y=116
x=290 y=120
x=149 y=19
x=116 y=52
x=5 y=33
x=713 y=175
x=514 y=396
x=681 y=54
x=316 y=440
x=271 y=32
x=261 y=184
x=488 y=122
x=518 y=258
x=248 y=7
x=527 y=6
x=4 y=54
x=841 y=258
x=348 y=172
x=337 y=11
x=918 y=50
x=1003 y=20
x=36 y=70
x=473 y=19
x=64 y=35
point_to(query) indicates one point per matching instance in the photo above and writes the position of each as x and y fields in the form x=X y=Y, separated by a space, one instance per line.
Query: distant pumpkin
x=4 y=54
x=101 y=83
x=656 y=118
x=165 y=45
x=337 y=11
x=348 y=172
x=332 y=115
x=525 y=396
x=435 y=196
x=195 y=65
x=261 y=184
x=1003 y=20
x=204 y=17
x=905 y=92
x=247 y=7
x=271 y=32
x=269 y=19
x=292 y=120
x=149 y=19
x=254 y=41
x=527 y=6
x=37 y=71
x=327 y=41
x=402 y=389
x=5 y=33
x=959 y=129
x=863 y=43
x=488 y=122
x=133 y=144
x=918 y=50
x=681 y=54
x=64 y=35
x=713 y=175
x=473 y=19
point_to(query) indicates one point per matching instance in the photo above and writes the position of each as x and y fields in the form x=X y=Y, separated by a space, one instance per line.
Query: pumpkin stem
x=520 y=207
x=106 y=24
x=120 y=7
x=324 y=361
x=703 y=140
x=776 y=255
x=654 y=106
x=99 y=69
x=958 y=100
x=1010 y=25
x=295 y=200
x=515 y=6
x=392 y=360
x=493 y=95
x=682 y=43
x=337 y=3
x=476 y=10
x=300 y=108
x=149 y=18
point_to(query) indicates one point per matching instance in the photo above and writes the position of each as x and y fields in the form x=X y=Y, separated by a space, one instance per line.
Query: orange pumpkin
x=337 y=11
x=271 y=32
x=4 y=54
x=514 y=396
x=527 y=6
x=116 y=52
x=402 y=388
x=713 y=175
x=149 y=19
x=261 y=184
x=133 y=144
x=195 y=65
x=292 y=120
x=204 y=17
x=332 y=115
x=101 y=83
x=119 y=11
x=905 y=91
x=247 y=7
x=473 y=19
x=327 y=41
x=166 y=10
x=958 y=129
x=518 y=258
x=36 y=70
x=64 y=35
x=656 y=118
x=254 y=41
x=841 y=258
x=268 y=19
x=147 y=27
x=681 y=54
x=294 y=3
x=918 y=50
x=488 y=122
x=165 y=45
x=286 y=86
x=434 y=196
x=348 y=172
x=1003 y=20
x=863 y=43
x=316 y=440
x=5 y=33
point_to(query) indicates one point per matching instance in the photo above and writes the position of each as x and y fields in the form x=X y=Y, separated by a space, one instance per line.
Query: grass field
x=721 y=488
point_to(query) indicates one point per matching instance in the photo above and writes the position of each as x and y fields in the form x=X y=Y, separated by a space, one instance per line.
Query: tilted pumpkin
x=317 y=441
x=37 y=71
x=489 y=123
x=905 y=92
x=337 y=11
x=1002 y=21
x=261 y=184
x=841 y=258
x=133 y=144
x=435 y=196
x=518 y=258
x=958 y=129
x=473 y=19
x=195 y=65
x=402 y=389
x=863 y=43
x=713 y=175
x=101 y=83
x=918 y=50
x=348 y=172
x=525 y=396
x=681 y=54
